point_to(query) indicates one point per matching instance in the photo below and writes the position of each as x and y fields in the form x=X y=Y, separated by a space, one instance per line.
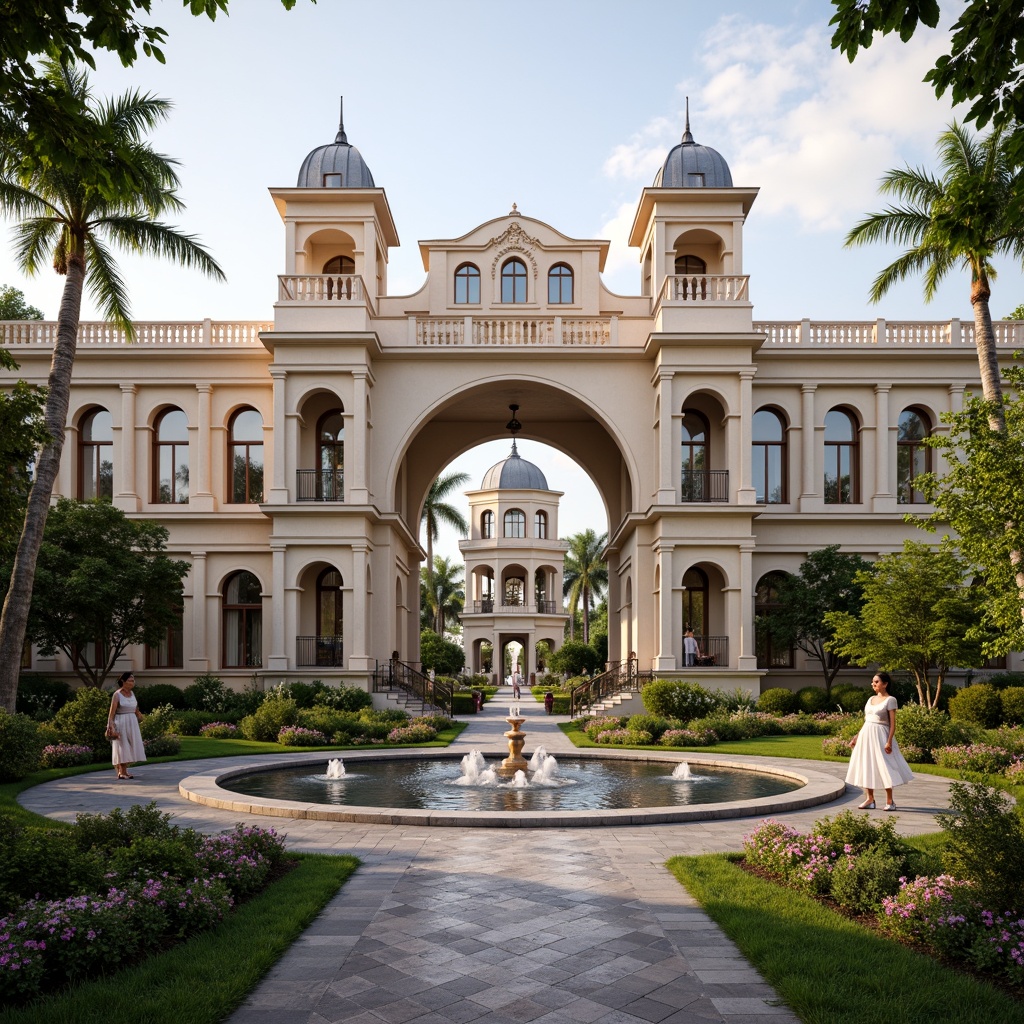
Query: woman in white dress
x=876 y=761
x=123 y=731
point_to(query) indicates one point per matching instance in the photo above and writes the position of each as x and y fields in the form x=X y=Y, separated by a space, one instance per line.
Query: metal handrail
x=395 y=674
x=625 y=677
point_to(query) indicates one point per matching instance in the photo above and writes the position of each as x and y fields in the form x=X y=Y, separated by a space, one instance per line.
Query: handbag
x=111 y=733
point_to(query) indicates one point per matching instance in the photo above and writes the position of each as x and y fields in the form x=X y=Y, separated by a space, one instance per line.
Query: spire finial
x=687 y=137
x=341 y=136
x=514 y=212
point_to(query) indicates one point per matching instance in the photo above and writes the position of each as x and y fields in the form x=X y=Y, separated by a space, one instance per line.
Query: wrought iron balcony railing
x=705 y=485
x=320 y=485
x=319 y=651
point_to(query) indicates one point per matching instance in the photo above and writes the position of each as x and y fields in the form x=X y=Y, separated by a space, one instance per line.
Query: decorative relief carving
x=514 y=239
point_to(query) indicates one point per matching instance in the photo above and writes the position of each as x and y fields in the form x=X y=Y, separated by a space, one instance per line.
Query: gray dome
x=514 y=473
x=690 y=165
x=337 y=158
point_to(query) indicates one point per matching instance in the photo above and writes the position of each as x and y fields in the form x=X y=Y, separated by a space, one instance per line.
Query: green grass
x=828 y=969
x=202 y=980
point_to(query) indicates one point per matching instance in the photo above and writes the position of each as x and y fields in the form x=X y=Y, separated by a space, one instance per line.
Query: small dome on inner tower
x=514 y=473
x=691 y=165
x=336 y=165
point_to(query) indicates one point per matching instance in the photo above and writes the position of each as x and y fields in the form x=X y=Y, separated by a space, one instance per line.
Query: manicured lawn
x=829 y=969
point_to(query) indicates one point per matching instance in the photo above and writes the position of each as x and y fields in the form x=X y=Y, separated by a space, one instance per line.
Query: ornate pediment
x=513 y=239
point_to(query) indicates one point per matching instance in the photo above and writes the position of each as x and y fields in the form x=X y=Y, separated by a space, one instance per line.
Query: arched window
x=513 y=281
x=170 y=458
x=343 y=267
x=690 y=265
x=169 y=651
x=243 y=621
x=770 y=654
x=691 y=278
x=695 y=602
x=96 y=456
x=540 y=525
x=515 y=590
x=331 y=435
x=515 y=523
x=329 y=618
x=842 y=457
x=487 y=525
x=912 y=457
x=560 y=284
x=695 y=456
x=467 y=284
x=245 y=456
x=769 y=457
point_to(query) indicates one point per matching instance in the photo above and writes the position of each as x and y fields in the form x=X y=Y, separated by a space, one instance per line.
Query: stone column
x=201 y=499
x=746 y=654
x=126 y=498
x=357 y=657
x=810 y=477
x=668 y=447
x=665 y=659
x=199 y=662
x=279 y=488
x=277 y=660
x=883 y=491
x=356 y=437
x=746 y=495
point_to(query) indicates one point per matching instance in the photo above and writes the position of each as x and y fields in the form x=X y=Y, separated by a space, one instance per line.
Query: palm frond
x=106 y=285
x=35 y=241
x=18 y=201
x=912 y=185
x=132 y=114
x=901 y=225
x=154 y=238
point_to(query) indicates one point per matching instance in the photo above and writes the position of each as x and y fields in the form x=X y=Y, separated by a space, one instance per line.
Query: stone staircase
x=405 y=701
x=613 y=704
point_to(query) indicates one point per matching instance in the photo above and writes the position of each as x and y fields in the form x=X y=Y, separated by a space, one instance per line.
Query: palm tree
x=961 y=219
x=584 y=576
x=436 y=511
x=69 y=219
x=443 y=592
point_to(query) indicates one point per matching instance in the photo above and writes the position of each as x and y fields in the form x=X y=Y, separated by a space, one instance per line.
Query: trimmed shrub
x=974 y=757
x=435 y=722
x=777 y=701
x=159 y=722
x=836 y=746
x=652 y=724
x=329 y=721
x=463 y=703
x=166 y=745
x=812 y=699
x=384 y=716
x=668 y=698
x=1001 y=680
x=220 y=731
x=595 y=726
x=917 y=726
x=412 y=734
x=208 y=693
x=20 y=746
x=694 y=737
x=979 y=704
x=861 y=883
x=1012 y=701
x=297 y=736
x=84 y=720
x=150 y=697
x=850 y=698
x=190 y=723
x=269 y=718
x=65 y=755
x=40 y=697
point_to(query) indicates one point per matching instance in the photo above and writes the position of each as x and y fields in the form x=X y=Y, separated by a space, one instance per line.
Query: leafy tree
x=982 y=499
x=574 y=658
x=22 y=433
x=438 y=511
x=66 y=220
x=826 y=582
x=918 y=615
x=442 y=592
x=985 y=56
x=14 y=307
x=445 y=657
x=584 y=576
x=102 y=579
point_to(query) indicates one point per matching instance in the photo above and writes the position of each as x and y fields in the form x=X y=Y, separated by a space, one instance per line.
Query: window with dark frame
x=245 y=457
x=769 y=457
x=96 y=456
x=913 y=456
x=842 y=459
x=170 y=458
x=467 y=285
x=513 y=281
x=560 y=284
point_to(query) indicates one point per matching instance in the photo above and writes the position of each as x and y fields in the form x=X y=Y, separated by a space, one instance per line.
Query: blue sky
x=566 y=108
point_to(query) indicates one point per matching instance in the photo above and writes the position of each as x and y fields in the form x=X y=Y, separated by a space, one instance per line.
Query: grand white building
x=290 y=460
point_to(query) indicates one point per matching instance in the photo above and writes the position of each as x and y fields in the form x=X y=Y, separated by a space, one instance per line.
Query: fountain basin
x=206 y=788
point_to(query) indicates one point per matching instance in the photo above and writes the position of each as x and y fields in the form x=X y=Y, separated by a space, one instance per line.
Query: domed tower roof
x=337 y=165
x=514 y=473
x=691 y=165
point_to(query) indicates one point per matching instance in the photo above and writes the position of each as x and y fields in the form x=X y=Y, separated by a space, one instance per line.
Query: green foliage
x=269 y=718
x=984 y=844
x=1012 y=705
x=574 y=658
x=737 y=699
x=41 y=698
x=102 y=577
x=653 y=725
x=668 y=698
x=584 y=576
x=918 y=614
x=330 y=721
x=14 y=307
x=979 y=704
x=850 y=698
x=442 y=593
x=84 y=720
x=208 y=693
x=22 y=432
x=1001 y=680
x=166 y=745
x=159 y=722
x=106 y=833
x=19 y=746
x=443 y=656
x=812 y=699
x=188 y=723
x=150 y=697
x=861 y=883
x=918 y=726
x=777 y=701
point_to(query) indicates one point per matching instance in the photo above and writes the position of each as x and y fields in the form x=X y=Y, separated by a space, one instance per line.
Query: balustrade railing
x=705 y=288
x=488 y=607
x=518 y=331
x=195 y=334
x=704 y=485
x=345 y=288
x=895 y=333
x=319 y=652
x=319 y=485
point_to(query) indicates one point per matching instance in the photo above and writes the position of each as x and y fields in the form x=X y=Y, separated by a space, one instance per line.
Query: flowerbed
x=974 y=757
x=412 y=734
x=297 y=736
x=65 y=755
x=689 y=738
x=219 y=730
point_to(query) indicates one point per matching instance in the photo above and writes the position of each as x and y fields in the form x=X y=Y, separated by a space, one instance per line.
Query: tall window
x=515 y=591
x=515 y=523
x=245 y=456
x=96 y=456
x=841 y=458
x=331 y=433
x=695 y=602
x=540 y=525
x=487 y=525
x=328 y=603
x=912 y=457
x=169 y=652
x=769 y=457
x=694 y=452
x=343 y=267
x=766 y=603
x=467 y=284
x=243 y=622
x=170 y=458
x=513 y=281
x=560 y=284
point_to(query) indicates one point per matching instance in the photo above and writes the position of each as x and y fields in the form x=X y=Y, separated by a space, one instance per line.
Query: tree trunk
x=586 y=614
x=14 y=618
x=988 y=357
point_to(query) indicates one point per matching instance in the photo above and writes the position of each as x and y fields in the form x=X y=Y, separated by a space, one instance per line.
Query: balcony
x=319 y=485
x=704 y=485
x=319 y=652
x=347 y=289
x=518 y=331
x=714 y=652
x=488 y=607
x=690 y=288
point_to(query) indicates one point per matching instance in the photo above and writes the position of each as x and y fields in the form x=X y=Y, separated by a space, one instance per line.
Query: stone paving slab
x=446 y=925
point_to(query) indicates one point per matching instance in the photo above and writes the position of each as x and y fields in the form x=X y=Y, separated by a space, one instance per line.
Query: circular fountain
x=441 y=788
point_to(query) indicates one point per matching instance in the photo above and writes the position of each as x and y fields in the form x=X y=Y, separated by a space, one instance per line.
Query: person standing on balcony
x=691 y=648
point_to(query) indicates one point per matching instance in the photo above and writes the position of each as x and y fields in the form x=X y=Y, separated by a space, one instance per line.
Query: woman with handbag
x=126 y=746
x=876 y=761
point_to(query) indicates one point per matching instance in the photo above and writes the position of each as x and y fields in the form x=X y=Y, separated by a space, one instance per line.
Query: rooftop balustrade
x=148 y=334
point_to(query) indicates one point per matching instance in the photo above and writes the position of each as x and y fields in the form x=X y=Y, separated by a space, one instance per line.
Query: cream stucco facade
x=724 y=448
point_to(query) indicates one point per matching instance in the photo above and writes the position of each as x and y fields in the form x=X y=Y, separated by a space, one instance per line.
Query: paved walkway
x=445 y=925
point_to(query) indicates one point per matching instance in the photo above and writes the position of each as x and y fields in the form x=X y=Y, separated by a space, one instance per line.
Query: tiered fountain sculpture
x=515 y=762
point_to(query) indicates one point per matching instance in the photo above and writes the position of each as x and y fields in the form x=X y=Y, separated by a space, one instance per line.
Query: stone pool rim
x=816 y=788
